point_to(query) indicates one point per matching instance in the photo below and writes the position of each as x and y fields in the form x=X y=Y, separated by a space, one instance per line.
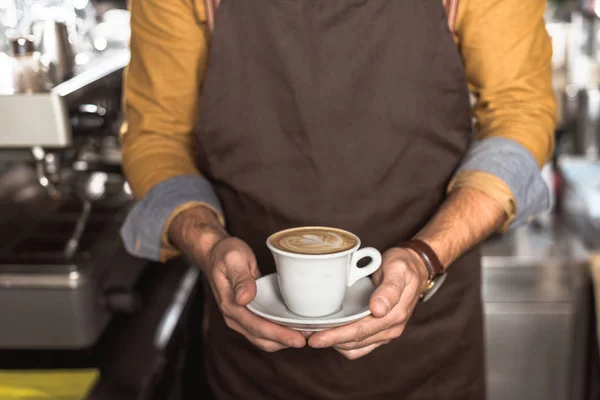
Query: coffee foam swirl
x=313 y=241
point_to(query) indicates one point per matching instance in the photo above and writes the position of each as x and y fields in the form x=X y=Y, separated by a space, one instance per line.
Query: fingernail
x=317 y=344
x=297 y=343
x=382 y=305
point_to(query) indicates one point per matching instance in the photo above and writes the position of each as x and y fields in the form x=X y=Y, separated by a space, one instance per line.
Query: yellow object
x=504 y=46
x=42 y=385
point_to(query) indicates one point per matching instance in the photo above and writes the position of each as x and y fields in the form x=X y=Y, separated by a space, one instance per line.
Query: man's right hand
x=230 y=268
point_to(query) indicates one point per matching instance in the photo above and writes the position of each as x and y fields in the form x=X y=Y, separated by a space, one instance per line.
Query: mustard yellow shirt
x=504 y=46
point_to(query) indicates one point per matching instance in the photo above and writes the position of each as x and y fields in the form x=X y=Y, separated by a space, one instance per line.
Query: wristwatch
x=437 y=274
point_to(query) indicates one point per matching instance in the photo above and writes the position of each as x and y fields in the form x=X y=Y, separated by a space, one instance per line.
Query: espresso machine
x=63 y=199
x=579 y=87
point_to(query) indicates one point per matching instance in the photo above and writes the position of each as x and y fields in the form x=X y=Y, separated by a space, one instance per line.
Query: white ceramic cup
x=314 y=285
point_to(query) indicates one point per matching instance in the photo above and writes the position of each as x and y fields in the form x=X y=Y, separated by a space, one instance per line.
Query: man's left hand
x=399 y=282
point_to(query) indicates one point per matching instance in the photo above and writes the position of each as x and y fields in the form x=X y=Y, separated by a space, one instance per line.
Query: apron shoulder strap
x=451 y=7
x=210 y=8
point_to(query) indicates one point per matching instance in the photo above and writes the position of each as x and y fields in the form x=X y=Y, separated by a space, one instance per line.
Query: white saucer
x=269 y=305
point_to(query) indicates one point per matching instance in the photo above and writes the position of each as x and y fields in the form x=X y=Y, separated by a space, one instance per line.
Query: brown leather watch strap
x=426 y=253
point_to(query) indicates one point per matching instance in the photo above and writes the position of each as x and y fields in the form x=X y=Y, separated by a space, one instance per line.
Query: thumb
x=387 y=295
x=243 y=283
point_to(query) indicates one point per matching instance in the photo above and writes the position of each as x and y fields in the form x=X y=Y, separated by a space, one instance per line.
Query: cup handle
x=356 y=273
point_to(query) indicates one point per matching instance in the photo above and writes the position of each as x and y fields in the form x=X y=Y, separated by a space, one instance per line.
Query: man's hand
x=230 y=267
x=399 y=281
x=465 y=219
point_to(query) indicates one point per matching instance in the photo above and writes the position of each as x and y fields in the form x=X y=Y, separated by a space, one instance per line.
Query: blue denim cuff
x=143 y=227
x=516 y=166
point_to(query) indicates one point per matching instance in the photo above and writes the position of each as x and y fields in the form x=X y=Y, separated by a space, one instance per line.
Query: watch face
x=435 y=286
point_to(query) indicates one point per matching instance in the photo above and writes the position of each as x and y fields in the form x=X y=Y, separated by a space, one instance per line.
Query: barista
x=352 y=114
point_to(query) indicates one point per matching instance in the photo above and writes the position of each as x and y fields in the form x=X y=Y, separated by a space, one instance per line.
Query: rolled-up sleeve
x=507 y=56
x=169 y=47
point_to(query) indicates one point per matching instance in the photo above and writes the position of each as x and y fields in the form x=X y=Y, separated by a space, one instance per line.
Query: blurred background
x=79 y=318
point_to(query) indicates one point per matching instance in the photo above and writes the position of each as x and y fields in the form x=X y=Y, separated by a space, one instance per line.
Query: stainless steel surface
x=57 y=50
x=72 y=244
x=42 y=119
x=52 y=298
x=24 y=200
x=47 y=170
x=22 y=196
x=528 y=352
x=104 y=65
x=582 y=50
x=531 y=265
x=27 y=280
x=523 y=284
x=567 y=99
x=106 y=188
x=587 y=124
x=61 y=208
x=58 y=286
x=172 y=315
x=38 y=119
x=51 y=318
x=58 y=281
x=532 y=247
x=535 y=292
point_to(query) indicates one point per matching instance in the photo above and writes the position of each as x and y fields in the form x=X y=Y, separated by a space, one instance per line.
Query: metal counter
x=140 y=355
x=536 y=294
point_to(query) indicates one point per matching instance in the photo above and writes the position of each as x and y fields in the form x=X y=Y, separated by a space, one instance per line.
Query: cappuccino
x=316 y=265
x=313 y=240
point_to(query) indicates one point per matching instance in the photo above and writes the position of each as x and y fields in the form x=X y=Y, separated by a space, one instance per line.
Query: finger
x=251 y=323
x=354 y=332
x=306 y=334
x=254 y=269
x=259 y=327
x=401 y=313
x=222 y=287
x=245 y=291
x=267 y=345
x=382 y=337
x=388 y=293
x=238 y=271
x=358 y=353
x=377 y=277
x=264 y=344
x=368 y=327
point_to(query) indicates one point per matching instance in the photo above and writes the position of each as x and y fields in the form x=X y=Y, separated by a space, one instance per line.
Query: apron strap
x=210 y=6
x=451 y=7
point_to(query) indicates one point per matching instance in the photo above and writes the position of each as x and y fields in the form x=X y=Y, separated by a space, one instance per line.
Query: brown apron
x=352 y=114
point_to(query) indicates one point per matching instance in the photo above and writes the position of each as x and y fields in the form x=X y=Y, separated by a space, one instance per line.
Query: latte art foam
x=313 y=240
